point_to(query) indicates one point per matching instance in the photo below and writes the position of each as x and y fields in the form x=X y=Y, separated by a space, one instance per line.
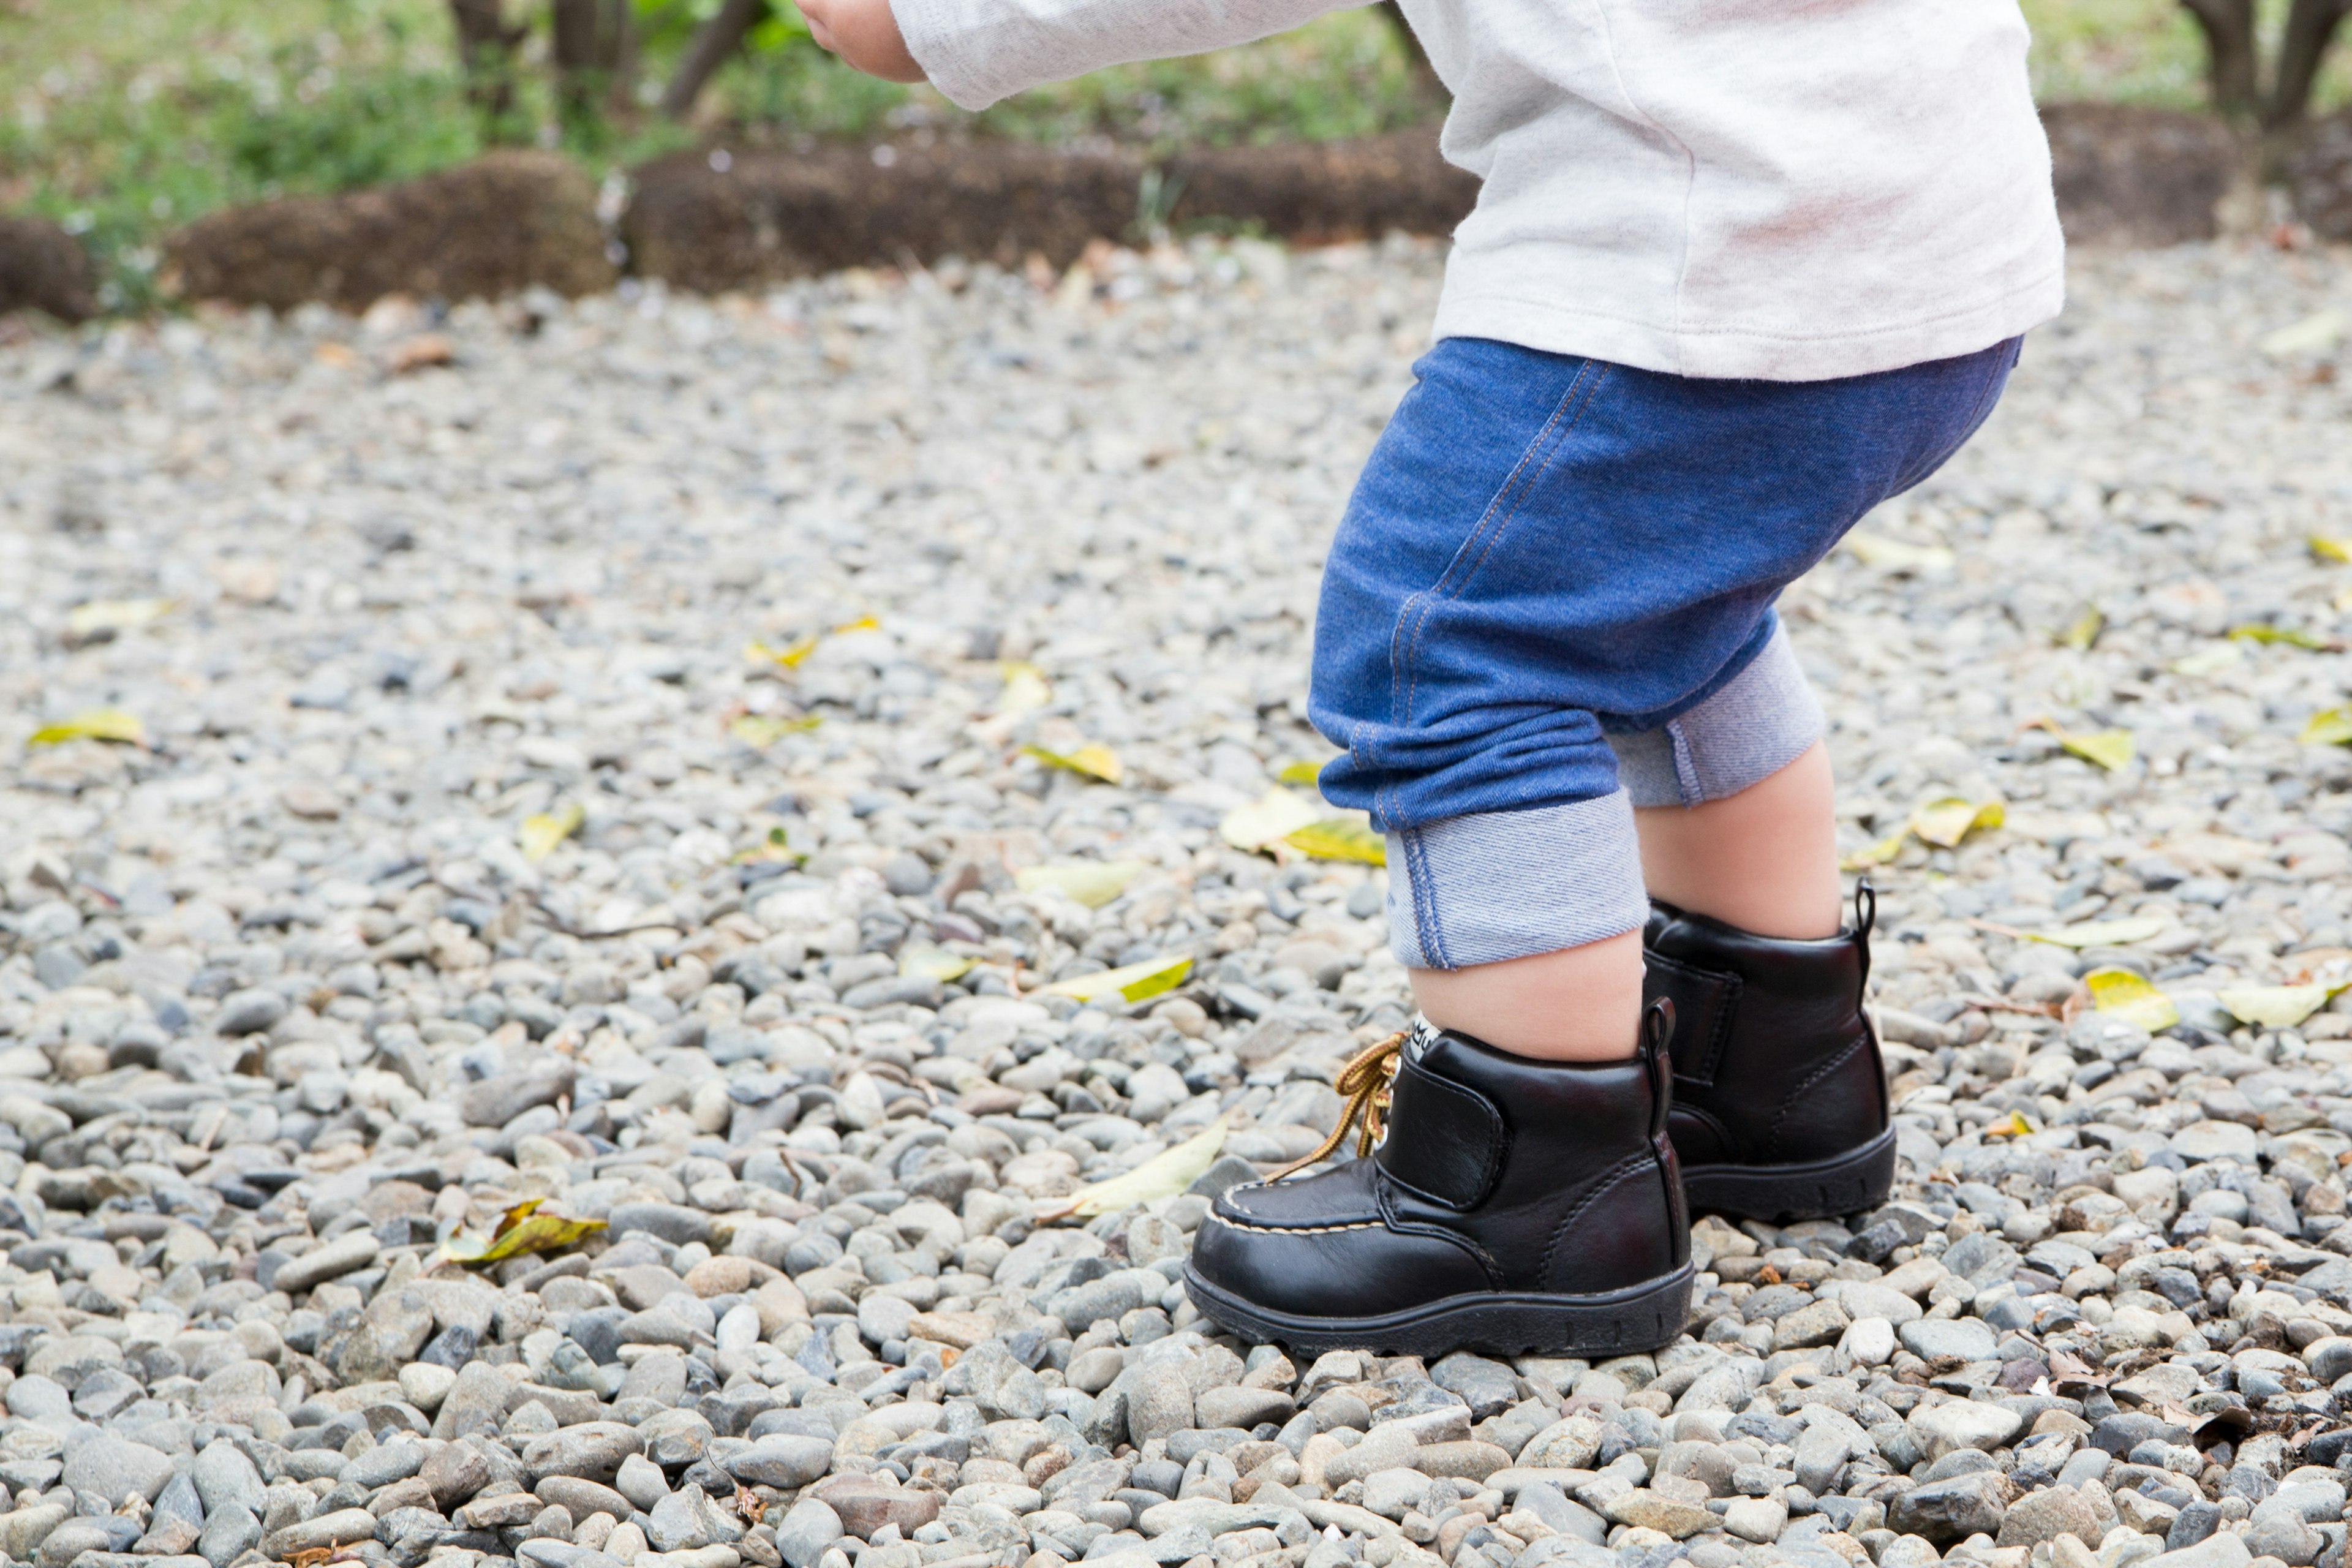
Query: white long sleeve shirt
x=1789 y=190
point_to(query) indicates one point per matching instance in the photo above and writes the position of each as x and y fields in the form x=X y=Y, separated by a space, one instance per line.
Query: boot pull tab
x=1865 y=921
x=1657 y=1034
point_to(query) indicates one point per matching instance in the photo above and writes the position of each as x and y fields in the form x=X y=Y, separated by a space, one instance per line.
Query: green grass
x=125 y=121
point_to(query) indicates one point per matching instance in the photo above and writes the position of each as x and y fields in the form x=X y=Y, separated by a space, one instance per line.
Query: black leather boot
x=1513 y=1207
x=1780 y=1102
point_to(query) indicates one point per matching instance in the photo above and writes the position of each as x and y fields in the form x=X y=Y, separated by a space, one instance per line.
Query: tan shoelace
x=1365 y=1081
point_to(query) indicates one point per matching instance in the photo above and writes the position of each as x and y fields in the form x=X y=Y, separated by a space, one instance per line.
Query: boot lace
x=1365 y=1081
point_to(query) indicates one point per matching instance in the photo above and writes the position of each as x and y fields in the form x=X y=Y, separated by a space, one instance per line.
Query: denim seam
x=1508 y=499
x=1686 y=764
x=1426 y=930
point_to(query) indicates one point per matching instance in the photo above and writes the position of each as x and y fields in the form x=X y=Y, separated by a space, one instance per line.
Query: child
x=1738 y=273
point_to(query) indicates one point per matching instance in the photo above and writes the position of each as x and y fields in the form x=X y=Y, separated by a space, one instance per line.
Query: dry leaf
x=1340 y=838
x=422 y=352
x=1945 y=821
x=2329 y=727
x=520 y=1230
x=761 y=730
x=1273 y=816
x=93 y=724
x=1303 y=773
x=2121 y=994
x=2104 y=933
x=1134 y=982
x=2285 y=637
x=2210 y=660
x=2110 y=748
x=1025 y=688
x=1093 y=761
x=1894 y=555
x=2275 y=1006
x=1164 y=1176
x=2085 y=631
x=1882 y=853
x=1093 y=883
x=862 y=623
x=928 y=962
x=2326 y=549
x=542 y=831
x=2015 y=1126
x=2315 y=334
x=789 y=657
x=108 y=616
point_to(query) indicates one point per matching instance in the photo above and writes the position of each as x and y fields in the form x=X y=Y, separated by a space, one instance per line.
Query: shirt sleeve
x=978 y=51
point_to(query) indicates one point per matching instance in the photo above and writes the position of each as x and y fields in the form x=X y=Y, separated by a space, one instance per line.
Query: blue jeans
x=1551 y=600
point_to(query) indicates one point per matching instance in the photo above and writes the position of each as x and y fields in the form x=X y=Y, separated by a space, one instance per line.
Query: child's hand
x=864 y=33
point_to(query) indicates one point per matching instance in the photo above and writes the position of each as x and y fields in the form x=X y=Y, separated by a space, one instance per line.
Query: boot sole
x=1824 y=1189
x=1642 y=1317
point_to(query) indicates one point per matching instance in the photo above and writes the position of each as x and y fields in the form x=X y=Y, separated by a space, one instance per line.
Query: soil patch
x=2132 y=176
x=2319 y=171
x=43 y=268
x=490 y=227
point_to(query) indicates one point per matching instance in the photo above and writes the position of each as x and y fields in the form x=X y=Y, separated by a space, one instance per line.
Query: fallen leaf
x=1093 y=883
x=2275 y=1006
x=776 y=846
x=789 y=657
x=521 y=1229
x=1882 y=853
x=862 y=623
x=2329 y=727
x=2210 y=660
x=1897 y=556
x=2120 y=993
x=2315 y=334
x=93 y=724
x=1025 y=688
x=2085 y=631
x=422 y=352
x=2274 y=637
x=2014 y=1126
x=748 y=1506
x=1093 y=761
x=542 y=831
x=1306 y=774
x=2326 y=549
x=1274 y=816
x=928 y=962
x=1340 y=838
x=87 y=621
x=1945 y=821
x=1134 y=982
x=2104 y=933
x=1164 y=1176
x=2110 y=748
x=761 y=730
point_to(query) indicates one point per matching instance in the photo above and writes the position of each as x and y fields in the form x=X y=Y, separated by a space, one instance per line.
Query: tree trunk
x=2310 y=27
x=1424 y=75
x=713 y=43
x=592 y=47
x=486 y=47
x=2229 y=28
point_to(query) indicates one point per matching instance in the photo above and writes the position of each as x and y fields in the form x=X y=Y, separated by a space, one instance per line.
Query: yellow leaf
x=1301 y=772
x=1945 y=821
x=789 y=657
x=2211 y=660
x=2014 y=1126
x=1894 y=555
x=2121 y=994
x=93 y=724
x=2111 y=749
x=1340 y=838
x=1025 y=688
x=1164 y=1176
x=2272 y=637
x=2327 y=549
x=542 y=832
x=862 y=623
x=520 y=1231
x=1274 y=816
x=1094 y=761
x=928 y=962
x=1093 y=883
x=2104 y=933
x=2275 y=1006
x=2085 y=630
x=761 y=730
x=1882 y=853
x=2315 y=334
x=1134 y=982
x=116 y=615
x=2329 y=727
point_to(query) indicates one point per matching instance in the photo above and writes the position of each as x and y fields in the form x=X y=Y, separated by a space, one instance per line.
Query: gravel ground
x=285 y=1005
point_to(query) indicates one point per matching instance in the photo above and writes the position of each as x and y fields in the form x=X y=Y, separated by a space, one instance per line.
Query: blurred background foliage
x=124 y=122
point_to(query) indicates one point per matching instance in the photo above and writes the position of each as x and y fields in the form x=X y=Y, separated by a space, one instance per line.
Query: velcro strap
x=1705 y=1000
x=1444 y=1141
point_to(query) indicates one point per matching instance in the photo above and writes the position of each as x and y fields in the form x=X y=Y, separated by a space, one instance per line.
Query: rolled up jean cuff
x=1751 y=727
x=1510 y=884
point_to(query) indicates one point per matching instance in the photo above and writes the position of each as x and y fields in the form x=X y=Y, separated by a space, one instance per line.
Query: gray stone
x=1159 y=1402
x=807 y=1531
x=230 y=1532
x=593 y=1450
x=1951 y=1511
x=117 y=1470
x=1488 y=1387
x=2047 y=1514
x=1965 y=1339
x=249 y=1012
x=224 y=1478
x=348 y=1253
x=780 y=1461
